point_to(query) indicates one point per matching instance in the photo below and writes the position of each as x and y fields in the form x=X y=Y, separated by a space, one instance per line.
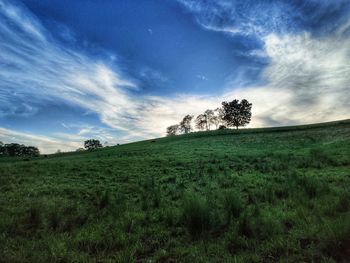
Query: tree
x=209 y=115
x=201 y=122
x=217 y=119
x=92 y=144
x=15 y=149
x=3 y=150
x=237 y=113
x=172 y=130
x=31 y=151
x=185 y=124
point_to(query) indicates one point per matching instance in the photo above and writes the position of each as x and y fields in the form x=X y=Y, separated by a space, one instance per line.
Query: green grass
x=253 y=195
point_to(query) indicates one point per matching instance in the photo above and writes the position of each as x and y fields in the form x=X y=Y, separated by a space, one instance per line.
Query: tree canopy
x=237 y=113
x=231 y=114
x=185 y=124
x=172 y=130
x=92 y=144
x=15 y=149
x=201 y=122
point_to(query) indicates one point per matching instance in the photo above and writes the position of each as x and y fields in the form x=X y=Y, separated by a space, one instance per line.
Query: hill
x=252 y=195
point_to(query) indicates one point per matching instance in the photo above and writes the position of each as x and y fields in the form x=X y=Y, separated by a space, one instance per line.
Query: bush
x=196 y=215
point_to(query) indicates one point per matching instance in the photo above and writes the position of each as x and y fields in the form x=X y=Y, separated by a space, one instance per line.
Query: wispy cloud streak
x=307 y=79
x=46 y=144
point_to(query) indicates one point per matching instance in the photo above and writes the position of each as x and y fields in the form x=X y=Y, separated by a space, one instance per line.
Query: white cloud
x=22 y=19
x=316 y=71
x=243 y=17
x=307 y=81
x=44 y=143
x=60 y=140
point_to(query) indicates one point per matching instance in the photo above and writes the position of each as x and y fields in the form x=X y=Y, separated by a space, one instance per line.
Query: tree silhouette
x=237 y=113
x=15 y=149
x=201 y=122
x=172 y=130
x=185 y=124
x=209 y=115
x=92 y=144
x=217 y=119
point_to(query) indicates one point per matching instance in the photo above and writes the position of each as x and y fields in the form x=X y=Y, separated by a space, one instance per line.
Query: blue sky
x=124 y=70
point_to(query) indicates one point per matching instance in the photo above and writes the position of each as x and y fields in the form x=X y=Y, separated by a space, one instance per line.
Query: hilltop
x=250 y=195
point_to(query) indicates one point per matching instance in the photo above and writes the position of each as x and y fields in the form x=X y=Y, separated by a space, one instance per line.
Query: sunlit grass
x=225 y=196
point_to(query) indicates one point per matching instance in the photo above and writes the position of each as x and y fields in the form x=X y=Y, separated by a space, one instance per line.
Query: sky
x=123 y=70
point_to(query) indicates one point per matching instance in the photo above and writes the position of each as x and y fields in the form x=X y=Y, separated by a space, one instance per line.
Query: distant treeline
x=15 y=149
x=231 y=114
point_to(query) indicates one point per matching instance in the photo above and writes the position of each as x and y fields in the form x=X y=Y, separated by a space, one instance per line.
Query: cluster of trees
x=92 y=144
x=232 y=114
x=15 y=149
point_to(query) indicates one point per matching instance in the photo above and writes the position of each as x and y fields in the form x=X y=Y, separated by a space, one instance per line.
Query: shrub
x=196 y=215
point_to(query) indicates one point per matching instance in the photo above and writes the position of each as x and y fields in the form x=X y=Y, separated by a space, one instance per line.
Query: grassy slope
x=257 y=195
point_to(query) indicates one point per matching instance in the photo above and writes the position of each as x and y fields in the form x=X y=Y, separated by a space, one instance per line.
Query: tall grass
x=196 y=215
x=233 y=205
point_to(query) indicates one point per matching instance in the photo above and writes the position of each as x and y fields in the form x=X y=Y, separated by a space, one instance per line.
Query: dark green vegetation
x=15 y=149
x=257 y=195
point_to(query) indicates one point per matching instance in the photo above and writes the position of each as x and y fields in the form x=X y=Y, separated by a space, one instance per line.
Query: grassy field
x=254 y=195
